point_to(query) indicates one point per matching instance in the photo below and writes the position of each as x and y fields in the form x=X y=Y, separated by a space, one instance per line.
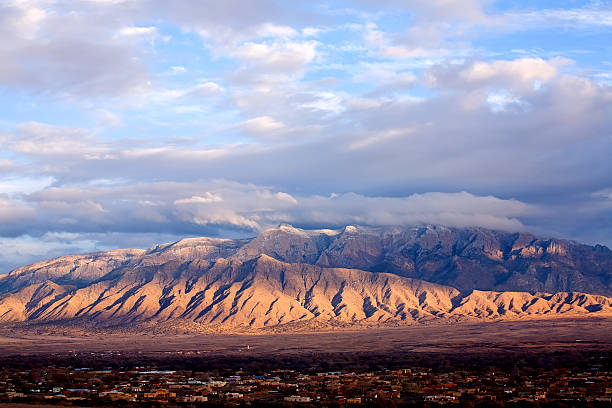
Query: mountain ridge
x=288 y=276
x=265 y=292
x=499 y=260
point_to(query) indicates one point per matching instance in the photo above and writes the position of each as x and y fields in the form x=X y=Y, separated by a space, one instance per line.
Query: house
x=297 y=398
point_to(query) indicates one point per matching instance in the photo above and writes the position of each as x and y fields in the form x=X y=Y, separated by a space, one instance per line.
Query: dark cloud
x=456 y=141
x=196 y=207
x=99 y=217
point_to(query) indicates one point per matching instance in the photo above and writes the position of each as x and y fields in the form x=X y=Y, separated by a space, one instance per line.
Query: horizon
x=128 y=123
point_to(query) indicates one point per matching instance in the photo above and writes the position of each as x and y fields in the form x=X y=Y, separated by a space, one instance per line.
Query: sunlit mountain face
x=290 y=278
x=127 y=123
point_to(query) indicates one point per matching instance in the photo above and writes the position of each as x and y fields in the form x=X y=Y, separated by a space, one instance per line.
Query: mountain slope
x=264 y=292
x=467 y=259
x=475 y=258
x=288 y=275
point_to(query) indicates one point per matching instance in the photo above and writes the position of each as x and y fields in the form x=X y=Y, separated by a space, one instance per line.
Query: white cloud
x=413 y=45
x=524 y=71
x=451 y=209
x=263 y=124
x=47 y=142
x=501 y=100
x=326 y=102
x=385 y=75
x=522 y=74
x=178 y=69
x=312 y=31
x=149 y=31
x=200 y=199
x=274 y=30
x=286 y=197
x=16 y=185
x=286 y=56
x=204 y=89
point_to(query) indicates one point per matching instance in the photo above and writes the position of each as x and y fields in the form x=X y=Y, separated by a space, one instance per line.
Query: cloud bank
x=129 y=123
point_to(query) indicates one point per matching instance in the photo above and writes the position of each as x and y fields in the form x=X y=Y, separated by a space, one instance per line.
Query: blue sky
x=127 y=123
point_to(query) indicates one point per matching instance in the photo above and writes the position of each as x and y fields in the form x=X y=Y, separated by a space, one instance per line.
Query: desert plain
x=332 y=348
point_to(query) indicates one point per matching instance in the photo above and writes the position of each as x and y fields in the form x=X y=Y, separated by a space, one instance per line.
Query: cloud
x=522 y=73
x=274 y=30
x=173 y=207
x=452 y=209
x=149 y=31
x=286 y=56
x=597 y=14
x=13 y=212
x=232 y=21
x=399 y=47
x=433 y=144
x=208 y=198
x=209 y=207
x=396 y=107
x=93 y=49
x=204 y=89
x=7 y=165
x=263 y=125
x=43 y=140
x=47 y=50
x=435 y=9
x=190 y=92
x=605 y=195
x=377 y=137
x=178 y=69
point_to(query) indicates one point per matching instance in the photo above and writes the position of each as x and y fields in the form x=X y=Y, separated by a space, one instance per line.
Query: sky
x=128 y=123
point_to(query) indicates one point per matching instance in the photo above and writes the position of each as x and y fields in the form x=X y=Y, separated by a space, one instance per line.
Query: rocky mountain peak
x=287 y=275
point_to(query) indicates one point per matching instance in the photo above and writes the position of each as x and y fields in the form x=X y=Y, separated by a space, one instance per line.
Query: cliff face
x=288 y=275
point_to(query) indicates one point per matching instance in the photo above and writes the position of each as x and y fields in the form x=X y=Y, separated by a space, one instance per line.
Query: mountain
x=472 y=258
x=286 y=275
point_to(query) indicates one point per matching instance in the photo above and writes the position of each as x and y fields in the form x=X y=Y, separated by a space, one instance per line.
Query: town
x=589 y=385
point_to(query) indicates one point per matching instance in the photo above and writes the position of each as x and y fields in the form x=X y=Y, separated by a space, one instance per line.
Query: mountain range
x=287 y=277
